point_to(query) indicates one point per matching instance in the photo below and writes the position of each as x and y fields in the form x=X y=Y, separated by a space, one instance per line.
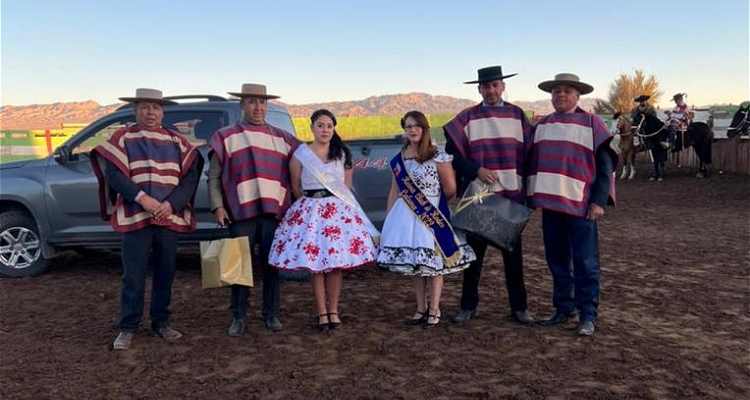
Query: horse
x=700 y=136
x=655 y=135
x=740 y=121
x=626 y=146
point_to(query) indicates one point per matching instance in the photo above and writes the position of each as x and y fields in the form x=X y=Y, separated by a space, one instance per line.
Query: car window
x=100 y=135
x=280 y=119
x=197 y=127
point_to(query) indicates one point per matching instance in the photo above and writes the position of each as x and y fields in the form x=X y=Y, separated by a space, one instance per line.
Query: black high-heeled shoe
x=334 y=325
x=428 y=325
x=418 y=321
x=322 y=326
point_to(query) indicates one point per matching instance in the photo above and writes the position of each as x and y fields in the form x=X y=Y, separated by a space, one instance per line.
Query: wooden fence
x=728 y=155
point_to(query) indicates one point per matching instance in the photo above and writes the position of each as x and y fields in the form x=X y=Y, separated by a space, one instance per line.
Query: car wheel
x=20 y=246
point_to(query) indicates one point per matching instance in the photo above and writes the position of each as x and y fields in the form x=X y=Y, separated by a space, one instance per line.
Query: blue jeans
x=150 y=245
x=571 y=247
x=259 y=230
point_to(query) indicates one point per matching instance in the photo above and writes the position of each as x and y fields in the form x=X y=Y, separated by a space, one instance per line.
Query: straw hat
x=148 y=95
x=567 y=79
x=253 y=90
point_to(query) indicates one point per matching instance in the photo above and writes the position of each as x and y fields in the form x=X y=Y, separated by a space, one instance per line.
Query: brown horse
x=626 y=146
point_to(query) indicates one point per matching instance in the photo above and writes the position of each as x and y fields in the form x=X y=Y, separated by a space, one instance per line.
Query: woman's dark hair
x=425 y=150
x=337 y=147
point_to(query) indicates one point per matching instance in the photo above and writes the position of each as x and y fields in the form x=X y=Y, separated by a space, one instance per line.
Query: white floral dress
x=322 y=234
x=407 y=246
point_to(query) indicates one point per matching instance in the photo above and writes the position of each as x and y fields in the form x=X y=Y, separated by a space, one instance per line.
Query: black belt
x=317 y=193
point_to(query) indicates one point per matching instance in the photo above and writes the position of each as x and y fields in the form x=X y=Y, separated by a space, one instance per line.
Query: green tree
x=626 y=88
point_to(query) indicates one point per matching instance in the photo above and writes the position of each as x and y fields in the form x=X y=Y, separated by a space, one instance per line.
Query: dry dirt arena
x=674 y=323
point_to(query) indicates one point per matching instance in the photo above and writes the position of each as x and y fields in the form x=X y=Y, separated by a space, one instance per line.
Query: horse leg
x=655 y=176
x=624 y=170
x=631 y=162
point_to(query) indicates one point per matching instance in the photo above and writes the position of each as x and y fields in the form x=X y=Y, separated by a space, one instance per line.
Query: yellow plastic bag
x=226 y=262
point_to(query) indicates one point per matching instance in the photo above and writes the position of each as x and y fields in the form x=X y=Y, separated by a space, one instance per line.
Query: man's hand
x=163 y=211
x=221 y=217
x=149 y=203
x=595 y=212
x=487 y=176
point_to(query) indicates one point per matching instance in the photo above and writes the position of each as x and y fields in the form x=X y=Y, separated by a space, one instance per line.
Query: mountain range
x=51 y=116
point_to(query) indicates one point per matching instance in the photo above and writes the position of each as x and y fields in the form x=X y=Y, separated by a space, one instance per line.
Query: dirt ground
x=674 y=323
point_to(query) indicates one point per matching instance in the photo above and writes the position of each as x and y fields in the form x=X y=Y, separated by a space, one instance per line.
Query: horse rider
x=643 y=107
x=679 y=116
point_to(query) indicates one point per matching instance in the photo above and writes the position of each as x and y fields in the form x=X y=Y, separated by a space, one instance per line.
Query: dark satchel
x=494 y=218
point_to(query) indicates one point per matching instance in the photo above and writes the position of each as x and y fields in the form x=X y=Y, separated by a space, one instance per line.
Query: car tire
x=20 y=246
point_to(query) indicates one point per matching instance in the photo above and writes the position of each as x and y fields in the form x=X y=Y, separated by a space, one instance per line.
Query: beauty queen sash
x=433 y=218
x=312 y=163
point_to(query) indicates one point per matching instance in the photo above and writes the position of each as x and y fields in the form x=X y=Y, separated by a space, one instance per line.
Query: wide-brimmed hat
x=642 y=98
x=678 y=96
x=148 y=95
x=253 y=90
x=566 y=79
x=489 y=74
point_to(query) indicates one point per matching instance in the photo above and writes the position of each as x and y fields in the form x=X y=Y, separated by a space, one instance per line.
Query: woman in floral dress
x=325 y=231
x=417 y=238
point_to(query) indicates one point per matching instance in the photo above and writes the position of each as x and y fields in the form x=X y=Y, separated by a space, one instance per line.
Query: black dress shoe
x=322 y=326
x=556 y=319
x=465 y=316
x=428 y=325
x=334 y=325
x=523 y=317
x=418 y=321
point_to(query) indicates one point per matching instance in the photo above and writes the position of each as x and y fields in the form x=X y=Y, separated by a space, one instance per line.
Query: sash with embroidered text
x=435 y=219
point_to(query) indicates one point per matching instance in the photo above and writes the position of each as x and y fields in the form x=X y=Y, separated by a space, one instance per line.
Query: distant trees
x=626 y=88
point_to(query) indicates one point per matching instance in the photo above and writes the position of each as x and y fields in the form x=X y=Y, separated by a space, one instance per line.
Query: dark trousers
x=513 y=263
x=571 y=247
x=259 y=230
x=151 y=245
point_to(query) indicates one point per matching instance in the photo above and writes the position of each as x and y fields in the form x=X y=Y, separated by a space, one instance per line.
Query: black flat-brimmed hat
x=678 y=96
x=489 y=74
x=253 y=90
x=566 y=79
x=148 y=96
x=642 y=98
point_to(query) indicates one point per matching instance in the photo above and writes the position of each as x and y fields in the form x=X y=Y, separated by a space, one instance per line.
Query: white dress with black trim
x=321 y=234
x=407 y=246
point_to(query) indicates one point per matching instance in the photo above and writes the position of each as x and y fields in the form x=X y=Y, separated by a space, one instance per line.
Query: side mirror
x=62 y=154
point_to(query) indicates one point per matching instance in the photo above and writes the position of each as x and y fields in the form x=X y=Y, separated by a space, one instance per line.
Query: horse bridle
x=742 y=122
x=638 y=128
x=622 y=118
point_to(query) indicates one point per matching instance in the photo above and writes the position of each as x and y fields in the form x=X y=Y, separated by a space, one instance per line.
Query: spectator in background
x=490 y=142
x=147 y=180
x=571 y=180
x=248 y=187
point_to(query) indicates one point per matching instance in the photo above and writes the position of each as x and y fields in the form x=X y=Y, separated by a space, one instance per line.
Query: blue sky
x=326 y=50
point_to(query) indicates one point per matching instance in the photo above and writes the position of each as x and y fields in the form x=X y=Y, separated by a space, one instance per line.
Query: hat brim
x=642 y=98
x=260 y=96
x=148 y=100
x=583 y=88
x=492 y=78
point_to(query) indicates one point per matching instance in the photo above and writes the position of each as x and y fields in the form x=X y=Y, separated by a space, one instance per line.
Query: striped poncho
x=254 y=168
x=563 y=162
x=498 y=138
x=155 y=160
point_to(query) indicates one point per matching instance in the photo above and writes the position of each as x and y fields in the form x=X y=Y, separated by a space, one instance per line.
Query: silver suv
x=51 y=204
